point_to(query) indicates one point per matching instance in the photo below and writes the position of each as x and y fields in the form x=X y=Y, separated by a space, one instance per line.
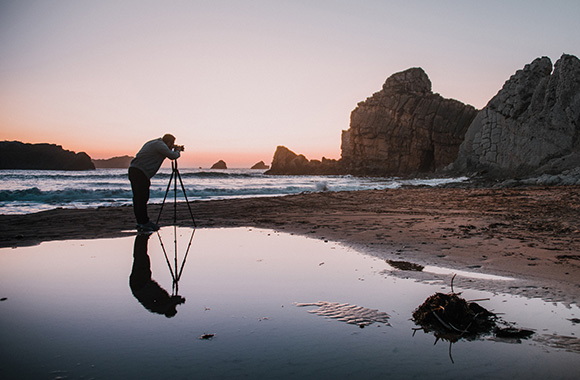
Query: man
x=142 y=168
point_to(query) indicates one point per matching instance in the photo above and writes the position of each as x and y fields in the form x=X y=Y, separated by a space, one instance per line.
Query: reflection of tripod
x=175 y=174
x=175 y=270
x=175 y=273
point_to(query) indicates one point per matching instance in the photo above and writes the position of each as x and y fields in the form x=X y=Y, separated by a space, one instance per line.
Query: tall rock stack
x=531 y=126
x=405 y=128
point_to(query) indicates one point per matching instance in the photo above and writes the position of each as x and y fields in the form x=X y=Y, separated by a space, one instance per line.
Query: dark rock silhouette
x=286 y=162
x=219 y=165
x=121 y=162
x=18 y=155
x=260 y=165
x=404 y=129
x=531 y=126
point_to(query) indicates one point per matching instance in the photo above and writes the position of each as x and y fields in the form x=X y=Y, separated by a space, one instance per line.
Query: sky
x=232 y=80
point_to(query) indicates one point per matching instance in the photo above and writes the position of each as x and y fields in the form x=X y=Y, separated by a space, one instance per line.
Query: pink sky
x=234 y=79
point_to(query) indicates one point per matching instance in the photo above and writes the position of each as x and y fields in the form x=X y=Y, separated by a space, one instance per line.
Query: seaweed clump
x=451 y=317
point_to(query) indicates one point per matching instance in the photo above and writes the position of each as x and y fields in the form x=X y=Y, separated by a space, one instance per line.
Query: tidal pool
x=258 y=304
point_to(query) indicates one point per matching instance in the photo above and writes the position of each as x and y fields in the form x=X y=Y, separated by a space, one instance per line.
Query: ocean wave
x=26 y=191
x=99 y=195
x=63 y=196
x=62 y=177
x=211 y=192
x=205 y=174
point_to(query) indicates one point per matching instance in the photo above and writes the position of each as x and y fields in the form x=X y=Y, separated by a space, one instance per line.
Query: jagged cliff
x=18 y=155
x=531 y=126
x=404 y=129
x=530 y=129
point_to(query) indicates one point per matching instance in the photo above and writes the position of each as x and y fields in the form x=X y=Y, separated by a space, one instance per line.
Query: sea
x=30 y=191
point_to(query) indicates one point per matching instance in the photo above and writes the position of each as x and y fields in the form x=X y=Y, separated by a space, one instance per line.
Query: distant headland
x=18 y=155
x=121 y=162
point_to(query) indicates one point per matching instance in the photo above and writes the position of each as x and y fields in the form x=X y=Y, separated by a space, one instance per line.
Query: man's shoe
x=147 y=227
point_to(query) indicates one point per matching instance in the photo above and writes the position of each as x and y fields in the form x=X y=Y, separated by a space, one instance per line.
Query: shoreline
x=532 y=233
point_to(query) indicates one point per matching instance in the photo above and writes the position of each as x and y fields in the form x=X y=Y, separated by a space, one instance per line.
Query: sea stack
x=260 y=165
x=219 y=165
x=404 y=129
x=286 y=162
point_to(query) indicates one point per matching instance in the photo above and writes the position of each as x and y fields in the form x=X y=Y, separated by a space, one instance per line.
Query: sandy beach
x=528 y=233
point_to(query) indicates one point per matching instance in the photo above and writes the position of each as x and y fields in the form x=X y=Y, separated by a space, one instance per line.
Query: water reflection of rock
x=147 y=291
x=352 y=314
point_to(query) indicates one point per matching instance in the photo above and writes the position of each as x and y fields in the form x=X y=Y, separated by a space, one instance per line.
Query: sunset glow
x=234 y=79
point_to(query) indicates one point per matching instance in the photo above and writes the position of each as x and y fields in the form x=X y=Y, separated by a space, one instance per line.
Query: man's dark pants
x=140 y=185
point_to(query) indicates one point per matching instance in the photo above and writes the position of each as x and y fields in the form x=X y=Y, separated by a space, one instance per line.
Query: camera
x=178 y=148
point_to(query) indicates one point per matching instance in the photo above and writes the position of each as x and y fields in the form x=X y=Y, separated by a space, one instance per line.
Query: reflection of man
x=144 y=166
x=148 y=292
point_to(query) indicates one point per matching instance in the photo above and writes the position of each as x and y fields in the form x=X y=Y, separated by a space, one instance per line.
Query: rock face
x=404 y=129
x=122 y=162
x=531 y=126
x=286 y=162
x=219 y=165
x=18 y=155
x=260 y=165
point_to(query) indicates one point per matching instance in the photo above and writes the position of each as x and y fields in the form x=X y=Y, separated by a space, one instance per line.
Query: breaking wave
x=27 y=191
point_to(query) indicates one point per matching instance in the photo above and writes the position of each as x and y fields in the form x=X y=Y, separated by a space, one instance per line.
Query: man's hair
x=168 y=139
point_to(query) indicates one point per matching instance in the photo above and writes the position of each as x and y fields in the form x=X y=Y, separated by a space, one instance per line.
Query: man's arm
x=171 y=154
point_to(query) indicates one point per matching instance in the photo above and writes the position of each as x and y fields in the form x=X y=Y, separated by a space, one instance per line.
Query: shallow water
x=82 y=309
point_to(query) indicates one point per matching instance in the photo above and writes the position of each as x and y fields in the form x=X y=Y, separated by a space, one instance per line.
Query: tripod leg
x=185 y=195
x=165 y=197
x=175 y=172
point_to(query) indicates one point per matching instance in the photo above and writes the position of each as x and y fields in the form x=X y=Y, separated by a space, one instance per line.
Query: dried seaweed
x=454 y=317
x=450 y=318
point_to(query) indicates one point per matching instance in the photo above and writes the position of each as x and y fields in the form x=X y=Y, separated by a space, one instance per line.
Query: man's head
x=169 y=140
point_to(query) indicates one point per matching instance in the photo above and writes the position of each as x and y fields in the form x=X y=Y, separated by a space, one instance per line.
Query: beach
x=531 y=234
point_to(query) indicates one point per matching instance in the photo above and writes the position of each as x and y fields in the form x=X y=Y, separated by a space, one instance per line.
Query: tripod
x=175 y=273
x=175 y=175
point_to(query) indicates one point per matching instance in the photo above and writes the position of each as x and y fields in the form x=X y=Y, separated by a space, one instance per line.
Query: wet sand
x=528 y=233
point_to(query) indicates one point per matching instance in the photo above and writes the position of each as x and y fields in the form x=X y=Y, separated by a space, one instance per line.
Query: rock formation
x=18 y=155
x=404 y=129
x=219 y=165
x=260 y=165
x=531 y=126
x=286 y=162
x=121 y=162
